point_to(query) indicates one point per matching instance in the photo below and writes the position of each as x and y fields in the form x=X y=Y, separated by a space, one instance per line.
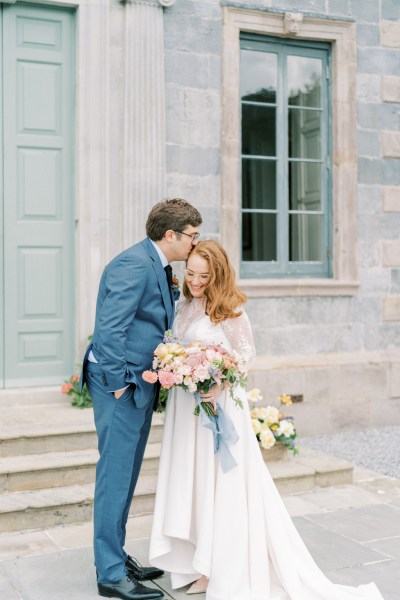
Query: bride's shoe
x=199 y=586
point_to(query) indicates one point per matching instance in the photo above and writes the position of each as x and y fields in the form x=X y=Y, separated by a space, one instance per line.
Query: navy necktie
x=168 y=273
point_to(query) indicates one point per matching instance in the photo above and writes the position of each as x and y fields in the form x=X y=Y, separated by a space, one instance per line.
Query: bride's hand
x=211 y=394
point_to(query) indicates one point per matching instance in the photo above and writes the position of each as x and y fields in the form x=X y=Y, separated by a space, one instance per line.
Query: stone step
x=308 y=470
x=48 y=507
x=31 y=396
x=59 y=469
x=44 y=508
x=57 y=427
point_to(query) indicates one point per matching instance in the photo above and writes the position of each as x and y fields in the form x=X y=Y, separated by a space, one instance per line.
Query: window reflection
x=258 y=237
x=258 y=130
x=259 y=183
x=305 y=238
x=258 y=76
x=304 y=81
x=304 y=133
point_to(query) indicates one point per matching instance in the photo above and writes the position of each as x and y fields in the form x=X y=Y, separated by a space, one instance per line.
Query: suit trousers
x=122 y=430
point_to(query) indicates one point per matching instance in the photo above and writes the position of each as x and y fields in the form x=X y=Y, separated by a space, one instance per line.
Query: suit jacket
x=134 y=308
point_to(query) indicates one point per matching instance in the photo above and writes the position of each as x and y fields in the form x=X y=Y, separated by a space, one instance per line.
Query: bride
x=228 y=532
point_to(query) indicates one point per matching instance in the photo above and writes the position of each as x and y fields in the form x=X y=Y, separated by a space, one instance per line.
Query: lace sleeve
x=238 y=332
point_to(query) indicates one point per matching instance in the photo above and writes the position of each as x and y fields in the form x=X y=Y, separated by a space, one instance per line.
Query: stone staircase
x=47 y=467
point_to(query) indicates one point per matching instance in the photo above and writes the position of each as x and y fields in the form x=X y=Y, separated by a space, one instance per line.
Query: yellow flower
x=161 y=351
x=271 y=415
x=174 y=348
x=285 y=399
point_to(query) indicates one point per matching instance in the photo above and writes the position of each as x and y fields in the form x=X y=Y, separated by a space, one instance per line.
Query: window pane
x=258 y=76
x=259 y=183
x=304 y=133
x=304 y=81
x=258 y=130
x=305 y=238
x=258 y=237
x=304 y=186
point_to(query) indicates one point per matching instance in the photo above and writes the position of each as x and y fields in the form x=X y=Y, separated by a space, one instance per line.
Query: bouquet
x=270 y=425
x=197 y=368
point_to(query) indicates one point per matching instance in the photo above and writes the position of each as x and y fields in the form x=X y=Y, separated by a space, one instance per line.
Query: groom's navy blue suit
x=134 y=308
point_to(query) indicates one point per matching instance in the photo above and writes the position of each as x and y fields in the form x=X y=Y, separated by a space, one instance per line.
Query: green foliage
x=81 y=399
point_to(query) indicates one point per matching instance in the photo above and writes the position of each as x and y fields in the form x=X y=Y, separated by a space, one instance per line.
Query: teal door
x=37 y=188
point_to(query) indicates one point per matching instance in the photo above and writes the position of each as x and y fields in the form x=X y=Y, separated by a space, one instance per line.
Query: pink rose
x=195 y=360
x=66 y=387
x=166 y=378
x=149 y=376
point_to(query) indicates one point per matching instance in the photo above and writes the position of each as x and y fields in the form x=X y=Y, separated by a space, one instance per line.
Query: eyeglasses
x=202 y=277
x=194 y=236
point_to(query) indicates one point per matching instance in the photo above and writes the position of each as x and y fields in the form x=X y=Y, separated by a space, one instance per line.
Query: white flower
x=254 y=395
x=256 y=426
x=185 y=369
x=202 y=372
x=271 y=415
x=285 y=428
x=267 y=438
x=193 y=349
x=258 y=413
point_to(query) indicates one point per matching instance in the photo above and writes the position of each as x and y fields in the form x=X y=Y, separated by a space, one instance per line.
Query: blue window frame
x=286 y=158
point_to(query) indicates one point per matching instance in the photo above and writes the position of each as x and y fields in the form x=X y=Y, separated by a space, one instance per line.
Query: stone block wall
x=363 y=329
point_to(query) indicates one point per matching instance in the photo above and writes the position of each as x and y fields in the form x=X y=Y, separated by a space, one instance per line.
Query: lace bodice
x=192 y=324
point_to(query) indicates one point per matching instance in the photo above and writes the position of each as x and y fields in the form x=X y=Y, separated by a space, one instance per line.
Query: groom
x=135 y=305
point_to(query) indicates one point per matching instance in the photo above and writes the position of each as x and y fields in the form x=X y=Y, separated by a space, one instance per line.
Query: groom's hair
x=172 y=213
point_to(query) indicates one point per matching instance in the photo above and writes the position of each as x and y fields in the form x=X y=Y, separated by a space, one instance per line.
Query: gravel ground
x=377 y=449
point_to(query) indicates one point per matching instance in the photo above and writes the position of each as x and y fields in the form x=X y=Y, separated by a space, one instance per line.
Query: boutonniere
x=175 y=284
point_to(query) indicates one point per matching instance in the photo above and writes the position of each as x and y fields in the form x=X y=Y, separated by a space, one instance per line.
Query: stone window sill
x=256 y=288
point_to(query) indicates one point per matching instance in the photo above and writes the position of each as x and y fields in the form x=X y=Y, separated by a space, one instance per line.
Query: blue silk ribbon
x=224 y=433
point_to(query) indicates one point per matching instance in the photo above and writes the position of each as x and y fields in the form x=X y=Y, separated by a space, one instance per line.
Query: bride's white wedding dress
x=232 y=527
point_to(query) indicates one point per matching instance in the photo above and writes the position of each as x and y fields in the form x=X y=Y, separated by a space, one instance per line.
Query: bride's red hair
x=222 y=294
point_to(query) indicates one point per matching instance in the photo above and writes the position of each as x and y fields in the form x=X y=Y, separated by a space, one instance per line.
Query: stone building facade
x=158 y=113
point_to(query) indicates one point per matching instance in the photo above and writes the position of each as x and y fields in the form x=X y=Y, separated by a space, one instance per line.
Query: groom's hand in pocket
x=119 y=393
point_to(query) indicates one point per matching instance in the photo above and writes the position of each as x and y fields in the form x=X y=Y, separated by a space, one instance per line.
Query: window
x=285 y=158
x=328 y=232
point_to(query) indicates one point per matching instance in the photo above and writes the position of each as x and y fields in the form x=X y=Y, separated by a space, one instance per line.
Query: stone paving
x=353 y=532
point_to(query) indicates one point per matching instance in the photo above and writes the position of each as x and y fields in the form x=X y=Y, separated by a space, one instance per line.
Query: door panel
x=2 y=340
x=38 y=194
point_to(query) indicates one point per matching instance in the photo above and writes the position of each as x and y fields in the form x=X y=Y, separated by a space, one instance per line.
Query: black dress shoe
x=128 y=588
x=139 y=572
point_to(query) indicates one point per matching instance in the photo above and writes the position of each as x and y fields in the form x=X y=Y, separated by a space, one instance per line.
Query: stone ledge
x=323 y=359
x=266 y=288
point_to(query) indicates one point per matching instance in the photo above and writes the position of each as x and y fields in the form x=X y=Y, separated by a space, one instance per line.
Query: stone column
x=144 y=114
x=93 y=142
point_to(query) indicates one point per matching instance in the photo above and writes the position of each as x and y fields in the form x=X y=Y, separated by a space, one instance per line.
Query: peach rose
x=149 y=376
x=66 y=387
